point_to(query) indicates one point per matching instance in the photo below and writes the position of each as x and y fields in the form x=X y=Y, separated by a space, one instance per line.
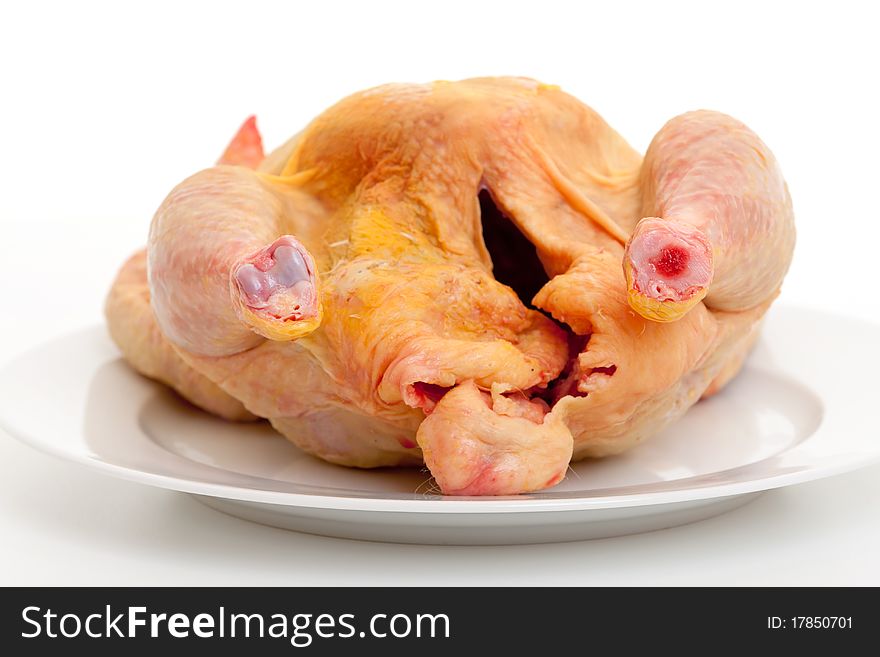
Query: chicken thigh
x=443 y=273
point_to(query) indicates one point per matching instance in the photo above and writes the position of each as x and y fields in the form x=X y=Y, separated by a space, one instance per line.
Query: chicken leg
x=718 y=220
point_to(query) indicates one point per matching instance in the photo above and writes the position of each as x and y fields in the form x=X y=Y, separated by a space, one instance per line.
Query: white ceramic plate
x=802 y=409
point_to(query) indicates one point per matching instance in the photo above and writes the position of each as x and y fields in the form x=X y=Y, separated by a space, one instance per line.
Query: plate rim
x=843 y=463
x=449 y=505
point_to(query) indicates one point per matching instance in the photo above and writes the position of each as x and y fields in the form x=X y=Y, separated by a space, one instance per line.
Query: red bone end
x=246 y=148
x=668 y=262
x=671 y=261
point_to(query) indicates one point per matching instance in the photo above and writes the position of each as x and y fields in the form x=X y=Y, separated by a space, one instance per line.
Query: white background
x=104 y=107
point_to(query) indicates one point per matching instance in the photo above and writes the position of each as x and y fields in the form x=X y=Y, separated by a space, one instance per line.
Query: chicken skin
x=459 y=274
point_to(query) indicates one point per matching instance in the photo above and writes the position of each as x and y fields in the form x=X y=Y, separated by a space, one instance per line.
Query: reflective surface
x=788 y=417
x=760 y=416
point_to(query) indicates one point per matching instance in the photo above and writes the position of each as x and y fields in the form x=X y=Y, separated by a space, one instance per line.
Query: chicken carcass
x=481 y=276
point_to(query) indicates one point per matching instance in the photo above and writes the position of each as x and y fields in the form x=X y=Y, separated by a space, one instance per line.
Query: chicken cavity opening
x=516 y=264
x=534 y=403
x=576 y=380
x=515 y=261
x=425 y=395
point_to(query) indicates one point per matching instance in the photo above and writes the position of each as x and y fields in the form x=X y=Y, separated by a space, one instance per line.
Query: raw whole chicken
x=481 y=276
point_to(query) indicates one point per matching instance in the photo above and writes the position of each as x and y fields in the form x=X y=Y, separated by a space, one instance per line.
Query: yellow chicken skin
x=436 y=273
x=133 y=327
